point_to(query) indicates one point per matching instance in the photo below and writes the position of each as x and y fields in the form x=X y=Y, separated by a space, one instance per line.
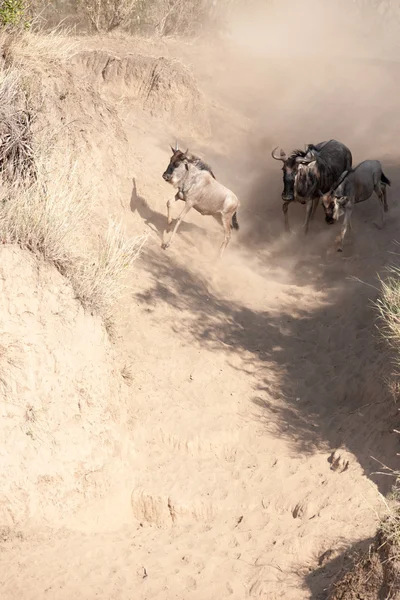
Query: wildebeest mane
x=320 y=177
x=291 y=159
x=200 y=163
x=302 y=153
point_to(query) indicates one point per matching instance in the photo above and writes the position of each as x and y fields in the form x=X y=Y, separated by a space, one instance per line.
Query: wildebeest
x=199 y=189
x=354 y=186
x=309 y=172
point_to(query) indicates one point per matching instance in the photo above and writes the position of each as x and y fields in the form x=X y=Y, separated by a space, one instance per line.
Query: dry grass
x=127 y=374
x=50 y=218
x=46 y=217
x=26 y=50
x=17 y=161
x=388 y=307
x=42 y=207
x=390 y=525
x=98 y=280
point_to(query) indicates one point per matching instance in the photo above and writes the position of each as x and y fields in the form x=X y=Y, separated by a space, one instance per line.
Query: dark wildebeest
x=309 y=172
x=354 y=186
x=199 y=189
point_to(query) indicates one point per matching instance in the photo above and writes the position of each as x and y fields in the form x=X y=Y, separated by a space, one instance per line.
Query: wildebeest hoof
x=164 y=246
x=340 y=250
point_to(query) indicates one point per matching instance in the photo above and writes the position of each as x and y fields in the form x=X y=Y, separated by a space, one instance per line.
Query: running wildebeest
x=309 y=172
x=199 y=189
x=354 y=186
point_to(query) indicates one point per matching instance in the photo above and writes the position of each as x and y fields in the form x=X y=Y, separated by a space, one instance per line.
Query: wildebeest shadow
x=155 y=220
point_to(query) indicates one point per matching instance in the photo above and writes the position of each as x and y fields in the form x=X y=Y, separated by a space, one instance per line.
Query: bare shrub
x=17 y=163
x=107 y=15
x=162 y=17
x=183 y=17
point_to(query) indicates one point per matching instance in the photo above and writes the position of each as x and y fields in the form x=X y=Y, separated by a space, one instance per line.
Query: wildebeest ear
x=173 y=149
x=310 y=157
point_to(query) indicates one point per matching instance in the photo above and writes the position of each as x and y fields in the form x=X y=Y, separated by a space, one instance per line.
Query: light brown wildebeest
x=199 y=189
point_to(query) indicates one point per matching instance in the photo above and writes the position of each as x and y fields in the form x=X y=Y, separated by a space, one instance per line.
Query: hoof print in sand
x=338 y=461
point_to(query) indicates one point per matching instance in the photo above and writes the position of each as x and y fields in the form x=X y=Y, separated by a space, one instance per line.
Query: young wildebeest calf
x=354 y=186
x=198 y=188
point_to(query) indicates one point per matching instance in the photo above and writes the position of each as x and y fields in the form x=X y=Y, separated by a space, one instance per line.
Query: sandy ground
x=257 y=408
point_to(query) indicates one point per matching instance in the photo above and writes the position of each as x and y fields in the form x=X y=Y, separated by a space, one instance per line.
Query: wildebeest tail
x=385 y=180
x=235 y=223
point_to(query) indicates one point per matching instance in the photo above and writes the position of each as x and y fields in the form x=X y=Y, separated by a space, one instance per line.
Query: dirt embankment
x=239 y=460
x=63 y=398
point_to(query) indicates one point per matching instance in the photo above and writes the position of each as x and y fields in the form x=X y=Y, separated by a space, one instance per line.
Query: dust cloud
x=301 y=73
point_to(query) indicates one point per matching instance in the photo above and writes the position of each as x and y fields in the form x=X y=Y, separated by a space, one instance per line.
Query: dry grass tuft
x=46 y=217
x=17 y=162
x=127 y=375
x=388 y=306
x=28 y=50
x=50 y=218
x=390 y=525
x=99 y=281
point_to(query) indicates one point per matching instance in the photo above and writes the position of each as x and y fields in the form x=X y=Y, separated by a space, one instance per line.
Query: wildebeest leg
x=380 y=194
x=315 y=206
x=346 y=224
x=227 y=225
x=309 y=207
x=385 y=204
x=285 y=208
x=169 y=215
x=179 y=221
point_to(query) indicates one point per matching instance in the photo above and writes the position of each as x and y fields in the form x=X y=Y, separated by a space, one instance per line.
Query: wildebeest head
x=335 y=200
x=178 y=165
x=328 y=203
x=299 y=174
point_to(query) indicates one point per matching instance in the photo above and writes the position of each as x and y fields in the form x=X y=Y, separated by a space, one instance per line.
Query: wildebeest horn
x=176 y=146
x=282 y=155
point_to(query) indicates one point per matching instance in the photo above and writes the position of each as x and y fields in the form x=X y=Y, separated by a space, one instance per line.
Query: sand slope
x=258 y=396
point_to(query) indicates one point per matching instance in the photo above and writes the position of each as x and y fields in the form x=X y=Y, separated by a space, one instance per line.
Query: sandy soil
x=258 y=403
